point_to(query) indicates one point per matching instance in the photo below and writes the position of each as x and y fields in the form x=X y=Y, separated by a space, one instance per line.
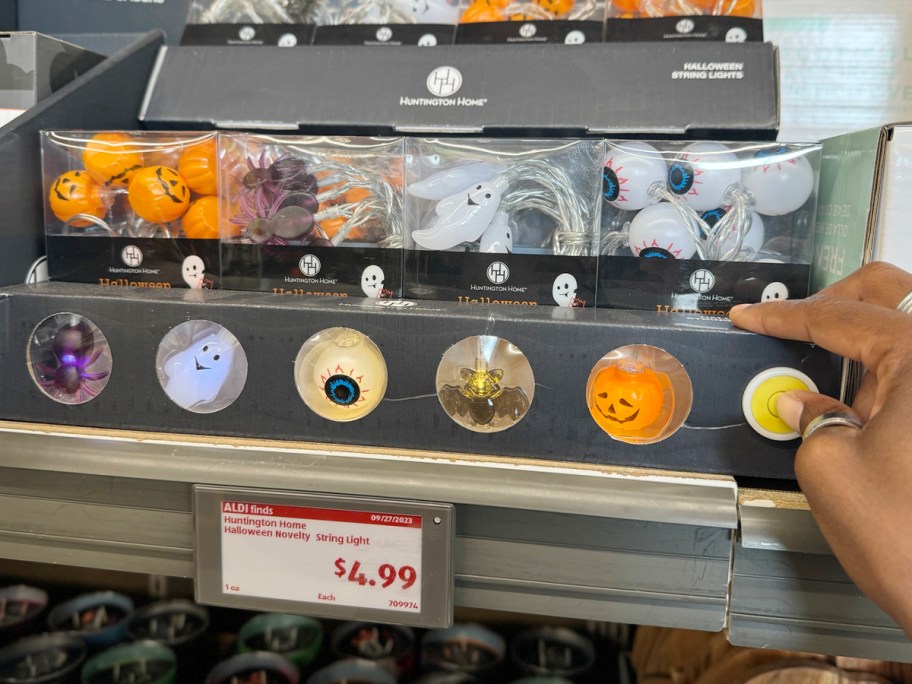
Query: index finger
x=856 y=330
x=876 y=283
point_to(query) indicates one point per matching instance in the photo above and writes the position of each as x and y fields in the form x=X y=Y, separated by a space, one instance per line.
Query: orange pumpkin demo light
x=626 y=400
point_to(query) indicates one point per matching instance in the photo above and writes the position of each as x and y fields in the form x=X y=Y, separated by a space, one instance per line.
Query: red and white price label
x=354 y=558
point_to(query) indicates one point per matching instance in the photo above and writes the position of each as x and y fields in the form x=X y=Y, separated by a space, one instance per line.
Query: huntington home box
x=708 y=90
x=410 y=375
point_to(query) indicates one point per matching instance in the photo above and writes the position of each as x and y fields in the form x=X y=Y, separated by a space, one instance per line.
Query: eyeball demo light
x=340 y=374
x=706 y=200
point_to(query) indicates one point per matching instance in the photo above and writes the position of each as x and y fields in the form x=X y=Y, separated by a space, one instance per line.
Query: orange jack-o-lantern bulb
x=556 y=8
x=158 y=194
x=198 y=165
x=201 y=222
x=625 y=400
x=73 y=193
x=112 y=159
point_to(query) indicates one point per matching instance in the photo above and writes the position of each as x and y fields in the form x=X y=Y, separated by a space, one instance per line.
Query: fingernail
x=789 y=408
x=737 y=307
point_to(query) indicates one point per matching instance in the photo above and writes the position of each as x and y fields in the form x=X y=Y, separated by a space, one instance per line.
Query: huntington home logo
x=443 y=83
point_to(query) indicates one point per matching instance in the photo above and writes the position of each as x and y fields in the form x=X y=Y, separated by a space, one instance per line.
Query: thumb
x=798 y=408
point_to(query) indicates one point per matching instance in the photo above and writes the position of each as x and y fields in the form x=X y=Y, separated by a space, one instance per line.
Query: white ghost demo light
x=340 y=374
x=476 y=204
x=201 y=366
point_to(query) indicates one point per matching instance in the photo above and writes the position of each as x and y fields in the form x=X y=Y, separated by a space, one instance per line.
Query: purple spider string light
x=278 y=203
x=73 y=362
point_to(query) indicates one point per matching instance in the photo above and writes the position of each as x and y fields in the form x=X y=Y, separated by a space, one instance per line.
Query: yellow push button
x=759 y=400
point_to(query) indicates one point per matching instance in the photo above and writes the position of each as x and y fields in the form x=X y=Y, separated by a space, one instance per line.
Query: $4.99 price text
x=387 y=573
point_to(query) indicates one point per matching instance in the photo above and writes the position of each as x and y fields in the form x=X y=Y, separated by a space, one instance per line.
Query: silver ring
x=830 y=419
x=905 y=305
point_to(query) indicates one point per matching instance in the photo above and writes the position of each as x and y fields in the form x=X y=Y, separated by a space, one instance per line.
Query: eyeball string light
x=703 y=178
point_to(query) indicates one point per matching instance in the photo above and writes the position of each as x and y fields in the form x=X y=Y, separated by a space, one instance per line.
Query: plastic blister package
x=483 y=11
x=132 y=188
x=289 y=202
x=711 y=200
x=635 y=9
x=501 y=216
x=503 y=196
x=746 y=208
x=251 y=12
x=346 y=12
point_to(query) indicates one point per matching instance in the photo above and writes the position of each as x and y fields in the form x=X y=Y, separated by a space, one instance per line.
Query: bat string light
x=481 y=398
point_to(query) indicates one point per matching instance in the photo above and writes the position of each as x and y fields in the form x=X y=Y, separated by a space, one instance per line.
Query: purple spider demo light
x=69 y=358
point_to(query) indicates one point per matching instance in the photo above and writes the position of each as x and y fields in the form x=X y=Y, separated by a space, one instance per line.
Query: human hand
x=858 y=482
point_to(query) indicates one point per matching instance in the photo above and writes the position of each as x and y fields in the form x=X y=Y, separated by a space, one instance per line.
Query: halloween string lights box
x=312 y=215
x=731 y=21
x=703 y=226
x=504 y=221
x=386 y=22
x=571 y=22
x=132 y=209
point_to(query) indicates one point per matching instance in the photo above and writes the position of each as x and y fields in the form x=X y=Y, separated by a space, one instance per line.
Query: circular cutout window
x=340 y=374
x=69 y=358
x=639 y=394
x=485 y=383
x=201 y=366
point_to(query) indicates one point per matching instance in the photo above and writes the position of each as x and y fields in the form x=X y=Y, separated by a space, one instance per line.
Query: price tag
x=325 y=555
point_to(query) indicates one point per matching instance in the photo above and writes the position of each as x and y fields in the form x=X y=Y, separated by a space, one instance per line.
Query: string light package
x=312 y=214
x=132 y=208
x=502 y=220
x=703 y=226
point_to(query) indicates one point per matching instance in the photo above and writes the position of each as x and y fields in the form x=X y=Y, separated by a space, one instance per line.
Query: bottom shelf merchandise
x=123 y=635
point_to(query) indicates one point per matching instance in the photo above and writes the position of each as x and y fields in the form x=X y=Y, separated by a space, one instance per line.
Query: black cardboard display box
x=562 y=346
x=32 y=66
x=705 y=90
x=104 y=16
x=107 y=96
